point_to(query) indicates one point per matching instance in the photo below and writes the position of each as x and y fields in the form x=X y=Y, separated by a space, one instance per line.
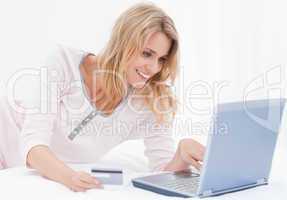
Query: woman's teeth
x=142 y=74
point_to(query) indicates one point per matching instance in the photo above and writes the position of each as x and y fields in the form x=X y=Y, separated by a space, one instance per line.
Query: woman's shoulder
x=66 y=60
x=65 y=54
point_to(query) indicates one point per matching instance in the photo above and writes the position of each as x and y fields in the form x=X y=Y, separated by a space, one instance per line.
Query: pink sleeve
x=159 y=144
x=42 y=104
x=36 y=130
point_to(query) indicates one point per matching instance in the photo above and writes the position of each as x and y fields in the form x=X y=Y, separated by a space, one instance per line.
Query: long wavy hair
x=129 y=34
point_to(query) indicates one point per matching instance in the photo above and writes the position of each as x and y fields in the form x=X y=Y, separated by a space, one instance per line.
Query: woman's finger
x=76 y=188
x=85 y=185
x=194 y=163
x=190 y=160
x=85 y=181
x=197 y=151
x=88 y=178
x=198 y=156
x=91 y=182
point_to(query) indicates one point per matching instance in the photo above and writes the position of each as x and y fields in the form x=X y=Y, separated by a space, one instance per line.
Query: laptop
x=238 y=156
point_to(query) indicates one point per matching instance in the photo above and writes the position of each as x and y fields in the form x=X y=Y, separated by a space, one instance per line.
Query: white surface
x=21 y=183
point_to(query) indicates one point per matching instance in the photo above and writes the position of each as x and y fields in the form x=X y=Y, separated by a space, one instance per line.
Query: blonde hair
x=128 y=37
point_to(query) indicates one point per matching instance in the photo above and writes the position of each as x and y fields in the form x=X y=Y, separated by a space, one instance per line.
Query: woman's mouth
x=143 y=75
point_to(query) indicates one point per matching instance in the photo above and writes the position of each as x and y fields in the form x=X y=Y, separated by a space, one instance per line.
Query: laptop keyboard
x=187 y=185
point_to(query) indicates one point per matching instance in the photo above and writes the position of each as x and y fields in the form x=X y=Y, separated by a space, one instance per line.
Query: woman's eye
x=162 y=60
x=146 y=54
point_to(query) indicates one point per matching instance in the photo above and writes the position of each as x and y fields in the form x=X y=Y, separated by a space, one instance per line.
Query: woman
x=126 y=82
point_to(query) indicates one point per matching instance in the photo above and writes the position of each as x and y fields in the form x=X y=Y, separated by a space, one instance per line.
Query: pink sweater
x=58 y=107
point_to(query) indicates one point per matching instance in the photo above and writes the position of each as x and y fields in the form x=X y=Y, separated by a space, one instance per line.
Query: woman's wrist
x=180 y=162
x=177 y=163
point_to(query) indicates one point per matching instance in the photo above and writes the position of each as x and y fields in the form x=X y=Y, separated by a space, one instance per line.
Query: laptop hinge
x=261 y=181
x=207 y=193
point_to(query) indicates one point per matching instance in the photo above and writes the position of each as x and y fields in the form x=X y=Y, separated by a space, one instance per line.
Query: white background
x=229 y=48
x=234 y=43
x=241 y=43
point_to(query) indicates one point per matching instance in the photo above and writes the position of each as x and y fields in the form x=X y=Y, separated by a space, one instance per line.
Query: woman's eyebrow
x=154 y=52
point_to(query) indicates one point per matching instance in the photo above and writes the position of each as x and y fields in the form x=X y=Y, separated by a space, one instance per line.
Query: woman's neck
x=93 y=83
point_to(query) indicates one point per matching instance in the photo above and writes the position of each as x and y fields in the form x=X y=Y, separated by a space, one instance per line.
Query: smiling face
x=149 y=61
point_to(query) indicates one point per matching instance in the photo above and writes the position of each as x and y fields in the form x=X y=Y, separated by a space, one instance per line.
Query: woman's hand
x=191 y=152
x=48 y=165
x=81 y=181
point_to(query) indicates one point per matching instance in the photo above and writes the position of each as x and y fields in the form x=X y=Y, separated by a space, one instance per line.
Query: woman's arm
x=189 y=152
x=38 y=127
x=45 y=162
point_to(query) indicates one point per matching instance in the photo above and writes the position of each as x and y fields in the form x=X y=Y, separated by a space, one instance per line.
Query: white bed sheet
x=23 y=183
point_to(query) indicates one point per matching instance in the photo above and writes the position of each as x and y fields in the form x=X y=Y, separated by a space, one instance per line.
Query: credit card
x=108 y=176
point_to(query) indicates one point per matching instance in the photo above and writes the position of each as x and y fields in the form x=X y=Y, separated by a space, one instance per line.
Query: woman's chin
x=139 y=85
